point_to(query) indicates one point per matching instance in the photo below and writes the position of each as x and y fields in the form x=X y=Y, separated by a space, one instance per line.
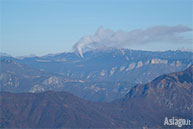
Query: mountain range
x=101 y=75
x=16 y=77
x=144 y=106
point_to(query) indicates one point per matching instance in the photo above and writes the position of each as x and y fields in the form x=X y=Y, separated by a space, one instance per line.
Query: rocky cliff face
x=16 y=77
x=99 y=76
x=145 y=106
x=112 y=64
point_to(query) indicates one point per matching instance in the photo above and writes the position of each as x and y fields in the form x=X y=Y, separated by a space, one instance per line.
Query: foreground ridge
x=144 y=106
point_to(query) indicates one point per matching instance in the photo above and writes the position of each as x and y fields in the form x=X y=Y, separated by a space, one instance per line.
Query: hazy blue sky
x=50 y=26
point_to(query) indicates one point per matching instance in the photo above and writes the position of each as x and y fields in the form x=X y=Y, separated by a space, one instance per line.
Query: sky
x=52 y=26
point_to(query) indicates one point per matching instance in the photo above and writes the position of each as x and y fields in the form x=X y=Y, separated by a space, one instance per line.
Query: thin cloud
x=107 y=38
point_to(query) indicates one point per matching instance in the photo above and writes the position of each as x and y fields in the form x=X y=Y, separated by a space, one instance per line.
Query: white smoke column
x=107 y=38
x=82 y=42
x=85 y=41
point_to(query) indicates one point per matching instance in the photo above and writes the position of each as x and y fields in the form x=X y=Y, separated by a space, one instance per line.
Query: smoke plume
x=107 y=38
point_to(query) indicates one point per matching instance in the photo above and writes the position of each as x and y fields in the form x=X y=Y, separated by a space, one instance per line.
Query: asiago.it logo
x=177 y=122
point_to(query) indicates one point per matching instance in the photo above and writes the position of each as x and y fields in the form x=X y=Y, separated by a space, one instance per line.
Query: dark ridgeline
x=146 y=105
